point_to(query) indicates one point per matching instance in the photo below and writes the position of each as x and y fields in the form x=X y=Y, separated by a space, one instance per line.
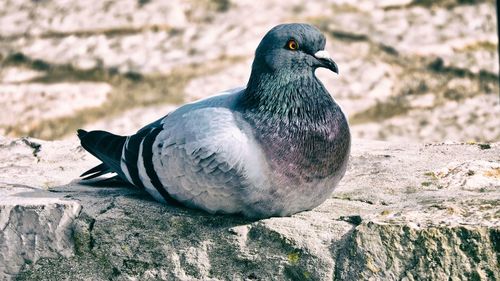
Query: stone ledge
x=33 y=225
x=403 y=212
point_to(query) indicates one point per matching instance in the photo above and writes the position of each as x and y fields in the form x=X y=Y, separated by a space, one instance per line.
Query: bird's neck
x=298 y=125
x=289 y=97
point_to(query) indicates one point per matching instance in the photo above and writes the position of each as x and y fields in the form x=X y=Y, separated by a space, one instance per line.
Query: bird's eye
x=292 y=45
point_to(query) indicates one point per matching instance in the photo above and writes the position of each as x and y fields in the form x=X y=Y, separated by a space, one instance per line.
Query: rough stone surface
x=403 y=212
x=33 y=225
x=33 y=102
x=130 y=121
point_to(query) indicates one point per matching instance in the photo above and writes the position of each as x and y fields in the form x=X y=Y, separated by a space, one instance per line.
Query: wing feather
x=201 y=158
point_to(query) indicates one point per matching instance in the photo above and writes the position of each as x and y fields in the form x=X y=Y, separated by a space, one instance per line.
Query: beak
x=326 y=61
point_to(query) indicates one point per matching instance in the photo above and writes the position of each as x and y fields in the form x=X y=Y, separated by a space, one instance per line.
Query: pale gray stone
x=27 y=104
x=403 y=212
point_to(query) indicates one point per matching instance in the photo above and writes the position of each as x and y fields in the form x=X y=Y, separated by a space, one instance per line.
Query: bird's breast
x=305 y=153
x=305 y=168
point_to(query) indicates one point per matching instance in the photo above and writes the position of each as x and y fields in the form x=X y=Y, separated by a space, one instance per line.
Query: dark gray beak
x=326 y=61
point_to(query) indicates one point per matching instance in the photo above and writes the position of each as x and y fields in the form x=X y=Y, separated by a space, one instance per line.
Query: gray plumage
x=275 y=148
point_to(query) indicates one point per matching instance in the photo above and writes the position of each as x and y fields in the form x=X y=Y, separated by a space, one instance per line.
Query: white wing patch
x=146 y=181
x=123 y=165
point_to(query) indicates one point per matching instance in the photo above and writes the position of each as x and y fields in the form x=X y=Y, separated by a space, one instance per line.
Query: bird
x=274 y=148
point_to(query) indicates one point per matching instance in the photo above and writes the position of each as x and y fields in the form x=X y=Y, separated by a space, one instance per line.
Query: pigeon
x=276 y=147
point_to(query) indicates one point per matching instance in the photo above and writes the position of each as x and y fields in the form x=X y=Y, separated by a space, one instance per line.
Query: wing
x=201 y=154
x=206 y=158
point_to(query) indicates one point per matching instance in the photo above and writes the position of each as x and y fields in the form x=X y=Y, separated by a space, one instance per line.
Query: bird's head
x=295 y=47
x=282 y=82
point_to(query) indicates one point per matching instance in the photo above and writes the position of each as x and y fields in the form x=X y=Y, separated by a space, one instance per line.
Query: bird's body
x=275 y=148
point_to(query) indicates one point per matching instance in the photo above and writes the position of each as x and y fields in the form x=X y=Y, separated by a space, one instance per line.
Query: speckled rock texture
x=402 y=212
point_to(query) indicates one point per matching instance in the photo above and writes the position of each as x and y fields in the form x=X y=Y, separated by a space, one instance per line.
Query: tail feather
x=106 y=147
x=81 y=133
x=97 y=169
x=108 y=182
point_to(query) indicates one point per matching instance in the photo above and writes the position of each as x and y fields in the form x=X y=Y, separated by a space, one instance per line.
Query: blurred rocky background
x=410 y=70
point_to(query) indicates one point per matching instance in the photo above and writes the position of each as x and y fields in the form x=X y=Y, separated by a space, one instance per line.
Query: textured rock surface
x=33 y=225
x=31 y=102
x=403 y=212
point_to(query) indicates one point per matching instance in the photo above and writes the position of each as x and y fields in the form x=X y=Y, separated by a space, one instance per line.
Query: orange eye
x=292 y=45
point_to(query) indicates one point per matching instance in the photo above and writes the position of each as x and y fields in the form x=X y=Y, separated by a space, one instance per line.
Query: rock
x=229 y=78
x=33 y=225
x=403 y=212
x=129 y=122
x=422 y=31
x=28 y=104
x=452 y=121
x=17 y=75
x=27 y=17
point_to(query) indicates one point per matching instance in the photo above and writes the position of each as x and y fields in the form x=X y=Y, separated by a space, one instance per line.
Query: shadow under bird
x=275 y=148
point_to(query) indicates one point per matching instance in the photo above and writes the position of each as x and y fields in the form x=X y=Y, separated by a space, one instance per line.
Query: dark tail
x=107 y=148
